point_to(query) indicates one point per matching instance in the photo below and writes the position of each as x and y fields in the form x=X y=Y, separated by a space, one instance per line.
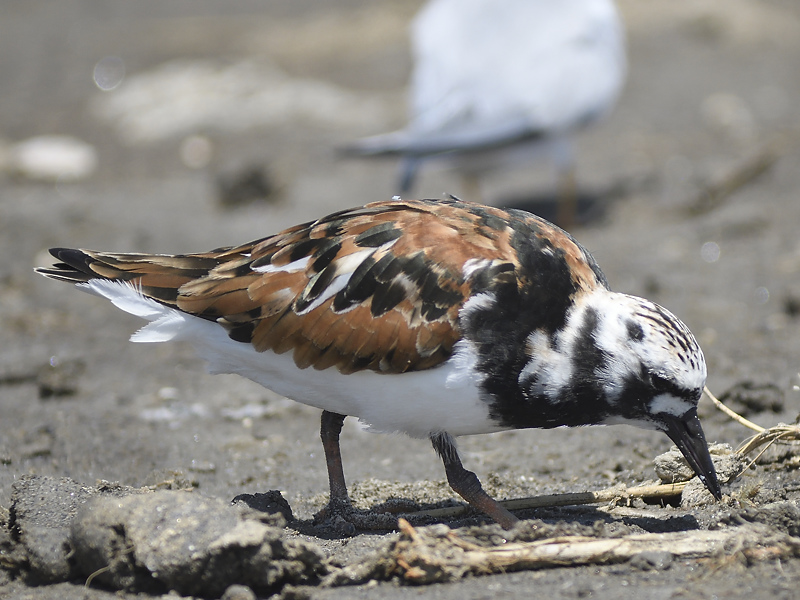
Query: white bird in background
x=502 y=81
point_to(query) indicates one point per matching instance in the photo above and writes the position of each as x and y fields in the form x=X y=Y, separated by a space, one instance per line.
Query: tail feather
x=74 y=266
x=144 y=285
x=155 y=276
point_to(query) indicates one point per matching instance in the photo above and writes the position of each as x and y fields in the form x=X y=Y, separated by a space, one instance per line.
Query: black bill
x=688 y=436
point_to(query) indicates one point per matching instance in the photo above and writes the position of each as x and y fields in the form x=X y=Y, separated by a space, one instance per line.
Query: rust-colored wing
x=378 y=287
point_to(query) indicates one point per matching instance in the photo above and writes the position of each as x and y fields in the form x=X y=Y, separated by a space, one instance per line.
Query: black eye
x=659 y=383
x=635 y=331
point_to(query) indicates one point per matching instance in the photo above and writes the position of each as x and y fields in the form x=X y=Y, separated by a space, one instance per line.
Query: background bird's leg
x=466 y=483
x=330 y=428
x=567 y=198
x=563 y=154
x=409 y=167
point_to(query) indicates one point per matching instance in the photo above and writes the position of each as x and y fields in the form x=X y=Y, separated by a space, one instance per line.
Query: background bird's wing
x=461 y=137
x=557 y=64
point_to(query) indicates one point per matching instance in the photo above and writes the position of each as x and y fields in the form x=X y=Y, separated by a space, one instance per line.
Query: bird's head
x=631 y=361
x=658 y=378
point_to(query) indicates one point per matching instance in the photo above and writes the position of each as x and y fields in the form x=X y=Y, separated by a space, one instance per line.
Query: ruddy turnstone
x=432 y=318
x=502 y=81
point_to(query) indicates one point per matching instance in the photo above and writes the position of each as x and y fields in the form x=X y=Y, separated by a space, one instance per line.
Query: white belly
x=418 y=403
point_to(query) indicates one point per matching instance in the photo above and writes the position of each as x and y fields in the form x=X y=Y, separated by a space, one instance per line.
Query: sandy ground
x=710 y=87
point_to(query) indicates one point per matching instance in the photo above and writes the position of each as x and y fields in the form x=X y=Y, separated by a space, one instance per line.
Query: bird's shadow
x=383 y=517
x=375 y=521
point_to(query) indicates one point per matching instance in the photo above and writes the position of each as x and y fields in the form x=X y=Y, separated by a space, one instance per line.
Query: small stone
x=671 y=467
x=238 y=592
x=695 y=495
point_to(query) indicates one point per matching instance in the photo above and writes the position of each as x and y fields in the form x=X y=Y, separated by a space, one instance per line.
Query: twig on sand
x=426 y=555
x=781 y=433
x=647 y=492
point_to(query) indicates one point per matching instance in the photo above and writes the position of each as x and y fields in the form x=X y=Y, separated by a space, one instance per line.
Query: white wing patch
x=345 y=267
x=334 y=287
x=293 y=267
x=474 y=264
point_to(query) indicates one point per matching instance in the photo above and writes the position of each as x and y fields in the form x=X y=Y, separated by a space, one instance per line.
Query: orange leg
x=466 y=484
